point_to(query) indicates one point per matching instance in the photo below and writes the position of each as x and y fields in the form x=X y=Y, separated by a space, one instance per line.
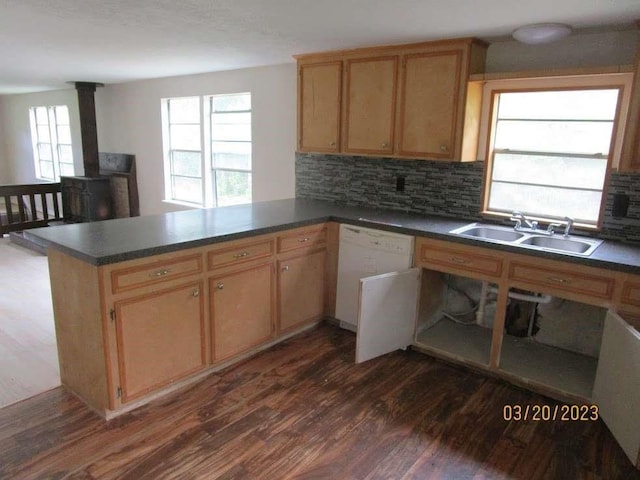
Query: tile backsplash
x=431 y=187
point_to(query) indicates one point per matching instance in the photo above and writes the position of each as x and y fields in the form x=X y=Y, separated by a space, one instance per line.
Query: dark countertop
x=111 y=241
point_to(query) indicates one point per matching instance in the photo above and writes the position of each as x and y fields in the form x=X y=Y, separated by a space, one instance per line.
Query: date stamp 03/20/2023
x=545 y=413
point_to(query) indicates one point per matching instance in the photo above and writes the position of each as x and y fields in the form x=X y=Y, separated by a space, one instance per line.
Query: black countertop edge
x=613 y=255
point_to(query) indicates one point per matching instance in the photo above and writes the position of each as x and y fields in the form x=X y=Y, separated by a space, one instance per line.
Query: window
x=51 y=140
x=550 y=151
x=230 y=134
x=220 y=173
x=184 y=151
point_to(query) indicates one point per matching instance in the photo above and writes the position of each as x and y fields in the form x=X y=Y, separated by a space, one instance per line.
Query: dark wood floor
x=304 y=410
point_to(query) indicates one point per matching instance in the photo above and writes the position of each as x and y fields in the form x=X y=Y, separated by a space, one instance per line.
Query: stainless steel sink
x=582 y=246
x=507 y=235
x=489 y=232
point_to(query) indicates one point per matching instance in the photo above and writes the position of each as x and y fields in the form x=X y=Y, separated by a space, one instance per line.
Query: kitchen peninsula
x=145 y=305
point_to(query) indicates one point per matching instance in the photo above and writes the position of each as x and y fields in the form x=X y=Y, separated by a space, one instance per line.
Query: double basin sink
x=552 y=243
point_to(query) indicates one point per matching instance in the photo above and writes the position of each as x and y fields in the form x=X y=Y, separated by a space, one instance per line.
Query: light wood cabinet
x=301 y=289
x=138 y=329
x=161 y=338
x=319 y=103
x=404 y=101
x=242 y=313
x=474 y=262
x=305 y=237
x=630 y=156
x=429 y=104
x=370 y=104
x=580 y=284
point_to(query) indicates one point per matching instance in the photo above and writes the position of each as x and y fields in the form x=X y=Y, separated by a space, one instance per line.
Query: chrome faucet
x=567 y=228
x=519 y=218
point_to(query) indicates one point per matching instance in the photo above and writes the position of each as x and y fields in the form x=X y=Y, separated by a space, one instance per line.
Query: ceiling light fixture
x=541 y=33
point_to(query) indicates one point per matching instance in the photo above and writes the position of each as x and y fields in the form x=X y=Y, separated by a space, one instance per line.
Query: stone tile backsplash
x=431 y=187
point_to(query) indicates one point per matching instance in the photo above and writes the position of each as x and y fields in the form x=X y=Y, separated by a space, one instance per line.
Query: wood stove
x=86 y=199
x=108 y=189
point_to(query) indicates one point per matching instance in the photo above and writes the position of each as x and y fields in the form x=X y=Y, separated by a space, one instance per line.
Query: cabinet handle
x=240 y=255
x=220 y=286
x=460 y=261
x=196 y=293
x=558 y=280
x=443 y=148
x=160 y=273
x=332 y=144
x=304 y=240
x=385 y=144
x=285 y=268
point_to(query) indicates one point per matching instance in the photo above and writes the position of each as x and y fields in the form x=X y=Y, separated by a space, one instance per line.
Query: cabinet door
x=160 y=338
x=241 y=310
x=630 y=156
x=387 y=311
x=617 y=384
x=371 y=99
x=429 y=104
x=301 y=284
x=319 y=91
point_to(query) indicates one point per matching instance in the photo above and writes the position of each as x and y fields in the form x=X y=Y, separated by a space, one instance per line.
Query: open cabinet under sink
x=410 y=308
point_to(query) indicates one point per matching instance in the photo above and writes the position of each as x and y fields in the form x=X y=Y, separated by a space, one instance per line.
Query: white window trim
x=206 y=156
x=166 y=153
x=52 y=124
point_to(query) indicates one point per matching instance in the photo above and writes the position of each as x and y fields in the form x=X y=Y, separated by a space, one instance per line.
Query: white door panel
x=387 y=311
x=617 y=386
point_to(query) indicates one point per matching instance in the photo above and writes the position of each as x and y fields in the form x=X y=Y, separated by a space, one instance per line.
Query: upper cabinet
x=405 y=101
x=370 y=104
x=319 y=88
x=630 y=157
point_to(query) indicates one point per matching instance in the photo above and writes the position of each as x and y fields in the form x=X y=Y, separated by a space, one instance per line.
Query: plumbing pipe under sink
x=486 y=289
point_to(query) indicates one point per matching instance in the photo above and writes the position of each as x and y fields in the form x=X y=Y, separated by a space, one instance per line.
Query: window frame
x=209 y=198
x=168 y=152
x=54 y=145
x=493 y=88
x=208 y=125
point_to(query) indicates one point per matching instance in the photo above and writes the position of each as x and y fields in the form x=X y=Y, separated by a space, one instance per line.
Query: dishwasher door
x=365 y=252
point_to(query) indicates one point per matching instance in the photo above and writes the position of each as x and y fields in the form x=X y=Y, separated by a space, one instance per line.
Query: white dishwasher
x=365 y=252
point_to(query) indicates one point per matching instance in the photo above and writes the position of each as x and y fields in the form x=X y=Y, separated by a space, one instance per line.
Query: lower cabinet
x=434 y=308
x=301 y=287
x=242 y=313
x=160 y=338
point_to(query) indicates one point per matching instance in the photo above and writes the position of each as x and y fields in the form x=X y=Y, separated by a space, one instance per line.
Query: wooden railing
x=28 y=206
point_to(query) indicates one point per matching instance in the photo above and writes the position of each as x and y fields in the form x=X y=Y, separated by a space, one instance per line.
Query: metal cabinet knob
x=443 y=148
x=220 y=286
x=240 y=255
x=332 y=144
x=160 y=273
x=196 y=293
x=385 y=145
x=285 y=268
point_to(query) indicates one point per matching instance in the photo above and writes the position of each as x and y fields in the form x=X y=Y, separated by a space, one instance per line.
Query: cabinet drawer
x=302 y=239
x=447 y=258
x=631 y=293
x=154 y=272
x=577 y=283
x=238 y=253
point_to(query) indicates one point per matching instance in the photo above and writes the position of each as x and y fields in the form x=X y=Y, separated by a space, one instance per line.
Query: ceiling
x=44 y=44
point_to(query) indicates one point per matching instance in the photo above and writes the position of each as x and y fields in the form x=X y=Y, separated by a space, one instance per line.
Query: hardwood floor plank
x=304 y=410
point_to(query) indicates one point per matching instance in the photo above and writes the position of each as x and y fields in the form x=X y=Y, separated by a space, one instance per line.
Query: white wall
x=578 y=50
x=5 y=166
x=128 y=120
x=18 y=151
